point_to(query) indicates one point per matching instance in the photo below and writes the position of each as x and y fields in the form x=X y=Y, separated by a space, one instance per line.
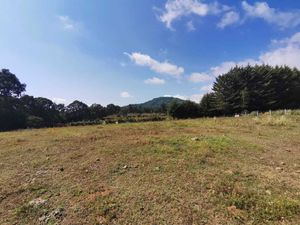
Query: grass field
x=207 y=171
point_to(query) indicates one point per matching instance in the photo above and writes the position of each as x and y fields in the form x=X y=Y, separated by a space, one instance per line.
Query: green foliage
x=184 y=110
x=209 y=105
x=11 y=114
x=257 y=88
x=10 y=84
x=77 y=111
x=34 y=122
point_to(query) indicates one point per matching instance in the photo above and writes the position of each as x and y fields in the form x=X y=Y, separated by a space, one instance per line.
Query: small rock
x=229 y=172
x=98 y=160
x=268 y=192
x=278 y=168
x=157 y=168
x=33 y=180
x=58 y=213
x=233 y=210
x=101 y=220
x=125 y=167
x=61 y=169
x=37 y=202
x=44 y=219
x=195 y=139
x=282 y=163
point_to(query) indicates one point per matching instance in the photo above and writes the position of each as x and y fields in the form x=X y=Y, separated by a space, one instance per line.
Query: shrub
x=35 y=122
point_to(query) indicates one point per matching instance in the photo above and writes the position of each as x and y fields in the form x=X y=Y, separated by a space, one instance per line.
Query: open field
x=205 y=171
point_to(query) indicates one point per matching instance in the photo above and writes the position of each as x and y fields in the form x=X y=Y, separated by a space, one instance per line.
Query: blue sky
x=130 y=51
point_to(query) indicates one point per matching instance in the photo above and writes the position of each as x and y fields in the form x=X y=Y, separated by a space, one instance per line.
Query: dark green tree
x=97 y=112
x=10 y=84
x=77 y=111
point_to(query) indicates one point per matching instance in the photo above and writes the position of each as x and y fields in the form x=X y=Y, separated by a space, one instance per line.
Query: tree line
x=242 y=89
x=246 y=89
x=18 y=110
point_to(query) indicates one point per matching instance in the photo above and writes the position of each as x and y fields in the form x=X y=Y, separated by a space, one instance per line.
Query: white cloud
x=67 y=23
x=228 y=19
x=226 y=66
x=223 y=68
x=122 y=64
x=155 y=81
x=175 y=9
x=284 y=52
x=196 y=98
x=273 y=16
x=207 y=88
x=182 y=97
x=287 y=53
x=59 y=100
x=200 y=77
x=159 y=67
x=190 y=26
x=125 y=94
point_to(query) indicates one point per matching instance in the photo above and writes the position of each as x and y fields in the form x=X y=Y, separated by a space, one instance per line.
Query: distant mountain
x=156 y=103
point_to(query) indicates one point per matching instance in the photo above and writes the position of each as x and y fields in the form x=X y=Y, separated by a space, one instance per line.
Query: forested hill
x=158 y=103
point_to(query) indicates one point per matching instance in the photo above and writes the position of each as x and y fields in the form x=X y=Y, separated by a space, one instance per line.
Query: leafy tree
x=11 y=114
x=208 y=105
x=77 y=111
x=46 y=109
x=261 y=88
x=112 y=109
x=185 y=110
x=10 y=84
x=35 y=122
x=173 y=107
x=97 y=111
x=163 y=108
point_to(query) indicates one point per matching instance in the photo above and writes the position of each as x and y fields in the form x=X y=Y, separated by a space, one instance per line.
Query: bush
x=185 y=110
x=35 y=122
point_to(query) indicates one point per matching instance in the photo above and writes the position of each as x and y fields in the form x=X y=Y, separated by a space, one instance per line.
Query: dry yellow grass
x=206 y=171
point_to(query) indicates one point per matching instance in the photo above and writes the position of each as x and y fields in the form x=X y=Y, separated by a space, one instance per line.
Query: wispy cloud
x=200 y=77
x=67 y=23
x=207 y=88
x=59 y=100
x=125 y=94
x=262 y=10
x=284 y=52
x=190 y=26
x=228 y=19
x=155 y=81
x=196 y=98
x=182 y=97
x=159 y=67
x=175 y=9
